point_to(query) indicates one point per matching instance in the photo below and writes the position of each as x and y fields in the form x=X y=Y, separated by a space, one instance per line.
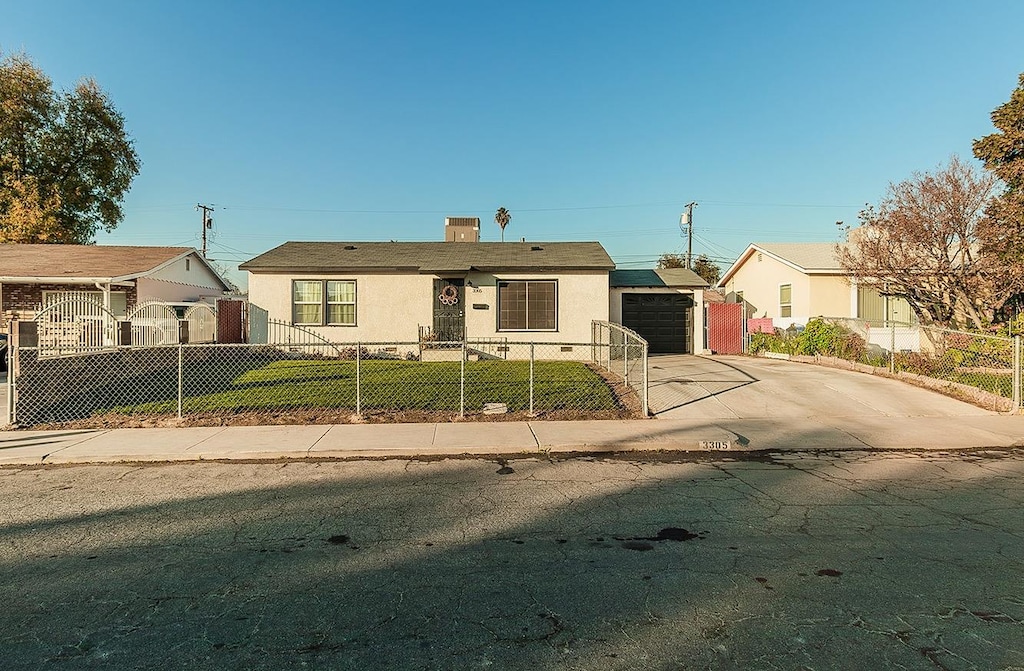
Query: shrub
x=821 y=337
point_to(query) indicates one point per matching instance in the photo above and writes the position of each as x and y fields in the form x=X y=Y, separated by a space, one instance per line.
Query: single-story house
x=793 y=282
x=526 y=291
x=665 y=306
x=391 y=291
x=119 y=276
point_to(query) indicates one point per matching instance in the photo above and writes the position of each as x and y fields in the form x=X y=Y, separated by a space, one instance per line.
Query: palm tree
x=502 y=217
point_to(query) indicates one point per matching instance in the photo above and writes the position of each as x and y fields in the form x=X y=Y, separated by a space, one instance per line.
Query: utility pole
x=207 y=222
x=686 y=219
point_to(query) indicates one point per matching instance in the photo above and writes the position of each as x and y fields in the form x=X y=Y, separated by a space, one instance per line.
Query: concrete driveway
x=731 y=387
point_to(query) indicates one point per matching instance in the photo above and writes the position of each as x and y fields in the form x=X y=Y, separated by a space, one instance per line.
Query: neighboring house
x=397 y=291
x=119 y=276
x=793 y=282
x=665 y=306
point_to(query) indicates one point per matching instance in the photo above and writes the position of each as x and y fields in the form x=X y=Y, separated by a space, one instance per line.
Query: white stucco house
x=521 y=291
x=391 y=291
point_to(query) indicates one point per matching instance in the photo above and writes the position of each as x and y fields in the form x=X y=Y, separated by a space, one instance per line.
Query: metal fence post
x=12 y=364
x=531 y=378
x=646 y=380
x=462 y=381
x=625 y=360
x=1016 y=372
x=181 y=375
x=892 y=347
x=359 y=398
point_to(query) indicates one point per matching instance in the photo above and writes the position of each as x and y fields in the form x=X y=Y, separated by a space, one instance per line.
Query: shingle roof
x=428 y=257
x=807 y=255
x=660 y=277
x=82 y=261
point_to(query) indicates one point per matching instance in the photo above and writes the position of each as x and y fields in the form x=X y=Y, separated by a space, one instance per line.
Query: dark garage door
x=663 y=320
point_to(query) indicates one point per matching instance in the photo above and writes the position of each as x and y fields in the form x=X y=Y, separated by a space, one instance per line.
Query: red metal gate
x=725 y=328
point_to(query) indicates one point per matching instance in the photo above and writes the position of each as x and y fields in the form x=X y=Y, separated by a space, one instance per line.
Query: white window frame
x=328 y=303
x=788 y=305
x=325 y=303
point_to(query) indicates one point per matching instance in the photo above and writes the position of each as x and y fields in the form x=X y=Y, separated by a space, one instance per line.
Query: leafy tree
x=707 y=269
x=1002 y=153
x=66 y=161
x=502 y=217
x=702 y=265
x=923 y=243
x=672 y=261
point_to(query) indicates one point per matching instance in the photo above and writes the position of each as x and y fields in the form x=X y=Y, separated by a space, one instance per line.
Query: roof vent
x=350 y=247
x=535 y=248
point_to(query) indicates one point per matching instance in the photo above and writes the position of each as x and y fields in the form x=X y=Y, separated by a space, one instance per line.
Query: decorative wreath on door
x=449 y=295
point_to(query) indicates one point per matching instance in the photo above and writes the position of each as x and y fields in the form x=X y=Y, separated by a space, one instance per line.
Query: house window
x=786 y=300
x=881 y=310
x=527 y=305
x=188 y=265
x=341 y=302
x=324 y=302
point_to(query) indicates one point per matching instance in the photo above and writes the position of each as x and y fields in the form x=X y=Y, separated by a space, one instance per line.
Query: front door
x=449 y=310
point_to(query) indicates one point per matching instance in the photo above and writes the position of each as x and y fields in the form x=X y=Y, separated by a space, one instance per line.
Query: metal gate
x=74 y=323
x=202 y=323
x=725 y=328
x=153 y=323
x=449 y=310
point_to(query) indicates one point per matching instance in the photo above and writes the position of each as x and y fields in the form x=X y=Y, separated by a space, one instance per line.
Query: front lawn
x=388 y=385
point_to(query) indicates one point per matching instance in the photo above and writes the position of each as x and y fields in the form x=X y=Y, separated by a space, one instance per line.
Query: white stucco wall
x=175 y=283
x=392 y=307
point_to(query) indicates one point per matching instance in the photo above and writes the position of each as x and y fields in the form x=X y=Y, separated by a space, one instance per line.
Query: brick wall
x=21 y=301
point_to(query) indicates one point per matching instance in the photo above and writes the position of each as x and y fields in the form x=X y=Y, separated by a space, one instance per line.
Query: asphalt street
x=788 y=561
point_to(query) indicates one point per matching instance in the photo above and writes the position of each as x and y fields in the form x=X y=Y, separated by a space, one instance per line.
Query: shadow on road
x=531 y=564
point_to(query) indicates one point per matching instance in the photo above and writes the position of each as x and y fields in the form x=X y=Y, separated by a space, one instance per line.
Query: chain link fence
x=332 y=382
x=978 y=367
x=623 y=352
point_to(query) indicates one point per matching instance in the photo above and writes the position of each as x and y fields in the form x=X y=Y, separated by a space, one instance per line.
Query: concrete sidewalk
x=508 y=438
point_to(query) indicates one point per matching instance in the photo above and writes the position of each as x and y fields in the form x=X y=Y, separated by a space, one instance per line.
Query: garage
x=662 y=319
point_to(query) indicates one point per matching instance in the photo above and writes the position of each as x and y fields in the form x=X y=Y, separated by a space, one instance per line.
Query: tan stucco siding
x=830 y=296
x=392 y=307
x=581 y=298
x=760 y=281
x=388 y=307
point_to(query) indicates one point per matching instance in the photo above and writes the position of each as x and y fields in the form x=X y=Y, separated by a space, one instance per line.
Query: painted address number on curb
x=716 y=444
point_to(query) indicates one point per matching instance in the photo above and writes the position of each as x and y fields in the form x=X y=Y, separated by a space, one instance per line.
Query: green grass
x=390 y=385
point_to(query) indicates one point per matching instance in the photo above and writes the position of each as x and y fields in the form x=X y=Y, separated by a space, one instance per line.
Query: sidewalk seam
x=317 y=441
x=46 y=456
x=536 y=441
x=193 y=445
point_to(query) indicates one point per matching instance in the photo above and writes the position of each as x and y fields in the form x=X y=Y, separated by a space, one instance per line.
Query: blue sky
x=587 y=120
